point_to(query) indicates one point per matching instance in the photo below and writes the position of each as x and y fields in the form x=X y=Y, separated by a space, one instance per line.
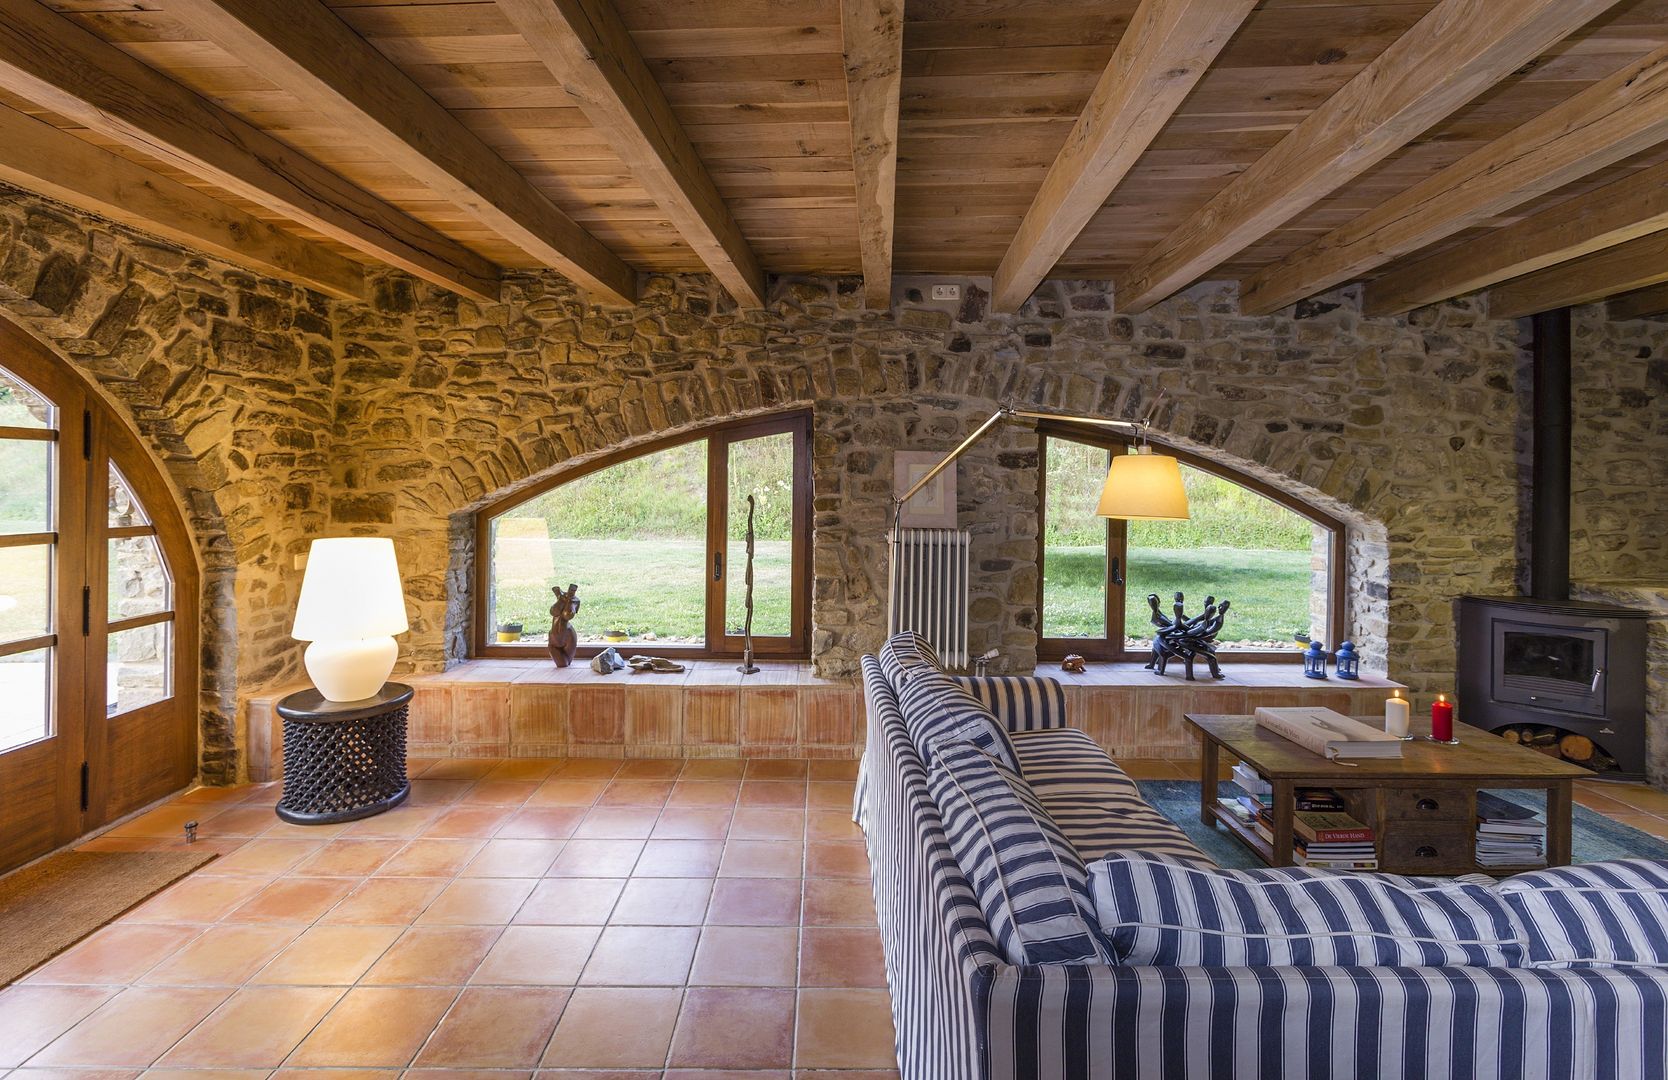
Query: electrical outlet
x=946 y=292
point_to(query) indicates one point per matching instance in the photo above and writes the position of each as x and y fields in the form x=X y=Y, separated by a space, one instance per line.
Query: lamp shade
x=1144 y=486
x=351 y=590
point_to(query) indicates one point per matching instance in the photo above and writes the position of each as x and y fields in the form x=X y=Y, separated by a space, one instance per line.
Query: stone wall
x=282 y=416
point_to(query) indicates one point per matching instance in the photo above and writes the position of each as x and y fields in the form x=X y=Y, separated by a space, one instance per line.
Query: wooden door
x=98 y=678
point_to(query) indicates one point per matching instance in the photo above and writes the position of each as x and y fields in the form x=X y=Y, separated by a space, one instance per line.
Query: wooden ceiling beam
x=1609 y=121
x=38 y=157
x=1456 y=51
x=303 y=47
x=1640 y=304
x=47 y=59
x=586 y=46
x=1159 y=59
x=871 y=34
x=1625 y=210
x=1621 y=269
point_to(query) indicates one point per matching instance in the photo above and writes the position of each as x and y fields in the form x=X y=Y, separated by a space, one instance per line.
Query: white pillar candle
x=1396 y=714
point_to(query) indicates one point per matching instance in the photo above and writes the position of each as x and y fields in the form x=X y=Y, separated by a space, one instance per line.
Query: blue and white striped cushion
x=1156 y=910
x=1022 y=702
x=905 y=654
x=1032 y=887
x=937 y=712
x=1600 y=913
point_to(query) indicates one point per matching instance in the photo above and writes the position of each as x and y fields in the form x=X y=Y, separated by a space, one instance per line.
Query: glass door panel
x=26 y=688
x=761 y=468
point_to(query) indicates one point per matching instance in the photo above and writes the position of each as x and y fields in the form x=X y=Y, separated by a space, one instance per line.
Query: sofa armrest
x=1021 y=702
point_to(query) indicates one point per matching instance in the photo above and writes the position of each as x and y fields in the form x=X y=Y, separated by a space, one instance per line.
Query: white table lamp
x=351 y=606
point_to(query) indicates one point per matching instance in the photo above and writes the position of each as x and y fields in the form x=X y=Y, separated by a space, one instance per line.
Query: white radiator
x=928 y=589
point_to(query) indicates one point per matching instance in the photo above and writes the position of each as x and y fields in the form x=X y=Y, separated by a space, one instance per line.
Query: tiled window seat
x=530 y=708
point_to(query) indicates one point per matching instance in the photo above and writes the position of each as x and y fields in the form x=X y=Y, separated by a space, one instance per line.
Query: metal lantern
x=1314 y=660
x=1348 y=661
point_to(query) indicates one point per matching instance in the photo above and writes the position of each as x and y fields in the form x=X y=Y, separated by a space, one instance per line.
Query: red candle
x=1442 y=719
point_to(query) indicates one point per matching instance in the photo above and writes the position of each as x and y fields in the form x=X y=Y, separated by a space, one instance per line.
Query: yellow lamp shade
x=1144 y=486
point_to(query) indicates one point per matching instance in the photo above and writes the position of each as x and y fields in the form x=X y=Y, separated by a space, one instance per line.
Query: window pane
x=1074 y=546
x=25 y=683
x=25 y=486
x=762 y=468
x=1237 y=546
x=25 y=592
x=21 y=406
x=631 y=536
x=139 y=667
x=124 y=505
x=138 y=580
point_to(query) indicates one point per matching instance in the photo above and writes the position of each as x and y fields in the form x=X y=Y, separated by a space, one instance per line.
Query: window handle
x=718 y=566
x=1117 y=574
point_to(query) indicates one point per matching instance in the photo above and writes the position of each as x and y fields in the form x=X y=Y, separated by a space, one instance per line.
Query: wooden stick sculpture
x=1178 y=637
x=564 y=641
x=747 y=666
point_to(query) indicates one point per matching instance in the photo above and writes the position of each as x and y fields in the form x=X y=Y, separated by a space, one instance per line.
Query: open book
x=1330 y=734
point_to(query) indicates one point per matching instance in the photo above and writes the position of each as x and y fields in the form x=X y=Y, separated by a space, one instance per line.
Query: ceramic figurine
x=1074 y=664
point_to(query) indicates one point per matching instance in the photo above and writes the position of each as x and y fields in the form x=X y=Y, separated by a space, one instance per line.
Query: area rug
x=47 y=907
x=1593 y=837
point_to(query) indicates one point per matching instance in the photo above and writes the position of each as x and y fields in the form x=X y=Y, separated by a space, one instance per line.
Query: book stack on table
x=1508 y=834
x=1323 y=835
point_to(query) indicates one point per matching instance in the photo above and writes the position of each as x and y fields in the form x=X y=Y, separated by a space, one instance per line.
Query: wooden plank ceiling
x=990 y=90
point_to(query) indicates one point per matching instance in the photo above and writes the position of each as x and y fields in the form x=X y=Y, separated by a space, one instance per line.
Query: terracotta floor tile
x=198 y=899
x=762 y=858
x=617 y=823
x=134 y=1028
x=1639 y=796
x=493 y=1027
x=746 y=956
x=777 y=769
x=469 y=821
x=263 y=857
x=348 y=858
x=387 y=901
x=240 y=821
x=713 y=769
x=680 y=858
x=839 y=902
x=542 y=823
x=651 y=769
x=692 y=824
x=588 y=769
x=728 y=1028
x=257 y=1027
x=571 y=901
x=836 y=859
x=294 y=900
x=328 y=956
x=168 y=820
x=404 y=820
x=772 y=793
x=433 y=956
x=477 y=901
x=212 y=795
x=500 y=792
x=437 y=792
x=596 y=858
x=832 y=825
x=644 y=793
x=844 y=1074
x=32 y=1016
x=202 y=1074
x=841 y=956
x=523 y=769
x=662 y=902
x=119 y=953
x=641 y=956
x=834 y=770
x=431 y=856
x=1648 y=823
x=831 y=795
x=374 y=1026
x=615 y=1028
x=513 y=858
x=754 y=902
x=845 y=1029
x=704 y=793
x=559 y=792
x=767 y=823
x=537 y=956
x=460 y=768
x=224 y=955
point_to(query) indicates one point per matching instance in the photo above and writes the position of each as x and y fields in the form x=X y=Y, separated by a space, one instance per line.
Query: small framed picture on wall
x=934 y=507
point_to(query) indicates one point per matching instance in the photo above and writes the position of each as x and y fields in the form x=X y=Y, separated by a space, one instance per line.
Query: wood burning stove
x=1569 y=665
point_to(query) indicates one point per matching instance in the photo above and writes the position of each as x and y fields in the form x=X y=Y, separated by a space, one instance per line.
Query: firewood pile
x=1555 y=742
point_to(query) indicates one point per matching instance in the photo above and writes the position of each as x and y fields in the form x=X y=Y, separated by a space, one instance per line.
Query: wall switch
x=301 y=562
x=946 y=292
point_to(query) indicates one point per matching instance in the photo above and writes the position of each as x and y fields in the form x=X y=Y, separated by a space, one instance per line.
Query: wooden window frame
x=719 y=646
x=1111 y=648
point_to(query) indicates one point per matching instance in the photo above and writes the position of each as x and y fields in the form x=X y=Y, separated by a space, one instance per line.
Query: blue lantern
x=1314 y=660
x=1349 y=663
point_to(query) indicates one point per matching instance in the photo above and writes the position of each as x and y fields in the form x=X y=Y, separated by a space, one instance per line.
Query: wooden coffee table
x=1422 y=806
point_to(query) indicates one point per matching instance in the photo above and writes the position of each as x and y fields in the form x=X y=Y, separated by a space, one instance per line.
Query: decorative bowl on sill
x=509 y=632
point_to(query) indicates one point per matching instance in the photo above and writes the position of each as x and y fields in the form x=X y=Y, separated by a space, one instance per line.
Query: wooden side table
x=343 y=760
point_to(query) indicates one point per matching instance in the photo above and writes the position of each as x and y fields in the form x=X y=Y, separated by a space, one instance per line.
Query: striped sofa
x=962 y=1012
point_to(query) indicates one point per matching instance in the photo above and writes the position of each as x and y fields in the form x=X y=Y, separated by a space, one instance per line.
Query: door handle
x=718 y=566
x=1598 y=674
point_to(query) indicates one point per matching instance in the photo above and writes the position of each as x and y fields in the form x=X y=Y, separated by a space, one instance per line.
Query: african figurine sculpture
x=1177 y=637
x=564 y=641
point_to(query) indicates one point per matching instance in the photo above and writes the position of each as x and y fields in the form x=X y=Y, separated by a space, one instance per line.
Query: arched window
x=655 y=538
x=1275 y=558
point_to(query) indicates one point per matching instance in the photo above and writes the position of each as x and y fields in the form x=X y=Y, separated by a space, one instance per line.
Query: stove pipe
x=1549 y=498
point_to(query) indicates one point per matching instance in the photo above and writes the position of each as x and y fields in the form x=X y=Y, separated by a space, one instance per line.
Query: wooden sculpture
x=564 y=641
x=1175 y=636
